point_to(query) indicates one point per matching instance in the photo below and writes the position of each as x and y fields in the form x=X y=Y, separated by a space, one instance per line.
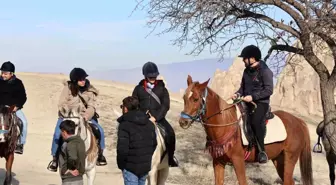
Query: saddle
x=247 y=129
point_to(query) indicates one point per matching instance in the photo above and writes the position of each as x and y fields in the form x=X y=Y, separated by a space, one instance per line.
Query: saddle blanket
x=275 y=130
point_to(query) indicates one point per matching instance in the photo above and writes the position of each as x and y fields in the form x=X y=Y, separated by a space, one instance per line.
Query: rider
x=12 y=92
x=78 y=87
x=157 y=104
x=256 y=86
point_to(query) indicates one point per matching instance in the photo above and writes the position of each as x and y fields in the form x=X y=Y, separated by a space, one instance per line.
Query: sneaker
x=19 y=149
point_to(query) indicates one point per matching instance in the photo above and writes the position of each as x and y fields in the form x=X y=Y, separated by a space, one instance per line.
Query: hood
x=137 y=117
x=88 y=86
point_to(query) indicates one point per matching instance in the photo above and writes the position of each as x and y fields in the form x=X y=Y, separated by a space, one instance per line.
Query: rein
x=219 y=146
x=201 y=112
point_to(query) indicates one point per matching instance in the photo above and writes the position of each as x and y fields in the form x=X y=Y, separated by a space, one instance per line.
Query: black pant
x=257 y=121
x=170 y=137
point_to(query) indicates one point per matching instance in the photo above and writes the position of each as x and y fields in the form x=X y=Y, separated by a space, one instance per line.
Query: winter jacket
x=258 y=83
x=136 y=142
x=147 y=102
x=72 y=157
x=12 y=92
x=68 y=101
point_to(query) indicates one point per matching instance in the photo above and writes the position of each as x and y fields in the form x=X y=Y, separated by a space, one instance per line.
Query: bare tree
x=223 y=24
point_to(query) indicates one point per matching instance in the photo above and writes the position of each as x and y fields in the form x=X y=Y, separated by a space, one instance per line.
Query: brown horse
x=223 y=130
x=9 y=133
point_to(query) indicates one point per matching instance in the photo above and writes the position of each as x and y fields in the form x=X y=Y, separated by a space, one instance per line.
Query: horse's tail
x=306 y=161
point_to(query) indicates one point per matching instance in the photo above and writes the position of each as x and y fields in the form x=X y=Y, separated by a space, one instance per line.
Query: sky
x=98 y=35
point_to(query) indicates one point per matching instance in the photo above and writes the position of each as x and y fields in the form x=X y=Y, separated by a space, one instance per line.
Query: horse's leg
x=331 y=163
x=280 y=165
x=290 y=161
x=239 y=166
x=219 y=170
x=91 y=175
x=9 y=163
x=162 y=176
x=152 y=177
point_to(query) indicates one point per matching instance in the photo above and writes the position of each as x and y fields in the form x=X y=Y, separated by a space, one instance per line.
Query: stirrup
x=53 y=170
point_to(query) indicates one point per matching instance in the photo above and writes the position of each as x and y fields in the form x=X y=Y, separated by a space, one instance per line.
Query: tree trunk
x=328 y=101
x=329 y=111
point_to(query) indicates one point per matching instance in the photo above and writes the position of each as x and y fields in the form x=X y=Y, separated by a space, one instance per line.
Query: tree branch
x=287 y=48
x=276 y=24
x=279 y=3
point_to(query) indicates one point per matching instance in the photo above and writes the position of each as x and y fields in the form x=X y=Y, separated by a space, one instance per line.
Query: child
x=72 y=155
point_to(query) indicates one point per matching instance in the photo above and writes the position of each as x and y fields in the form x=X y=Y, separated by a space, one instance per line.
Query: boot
x=101 y=161
x=53 y=165
x=19 y=149
x=173 y=161
x=262 y=157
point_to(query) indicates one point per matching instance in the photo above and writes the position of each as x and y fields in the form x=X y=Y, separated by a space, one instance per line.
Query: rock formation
x=225 y=83
x=298 y=86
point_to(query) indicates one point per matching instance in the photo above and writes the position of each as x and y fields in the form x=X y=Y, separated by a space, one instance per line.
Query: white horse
x=91 y=147
x=160 y=169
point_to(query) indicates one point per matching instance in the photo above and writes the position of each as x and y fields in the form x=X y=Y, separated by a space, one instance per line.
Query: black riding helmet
x=251 y=51
x=150 y=70
x=8 y=67
x=77 y=74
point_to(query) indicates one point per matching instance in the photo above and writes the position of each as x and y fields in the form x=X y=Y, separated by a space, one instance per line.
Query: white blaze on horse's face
x=190 y=94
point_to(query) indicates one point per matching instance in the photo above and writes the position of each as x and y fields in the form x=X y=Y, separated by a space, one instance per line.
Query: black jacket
x=147 y=102
x=136 y=143
x=12 y=92
x=258 y=83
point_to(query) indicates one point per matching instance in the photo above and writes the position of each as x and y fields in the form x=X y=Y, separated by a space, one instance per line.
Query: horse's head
x=7 y=118
x=74 y=115
x=194 y=105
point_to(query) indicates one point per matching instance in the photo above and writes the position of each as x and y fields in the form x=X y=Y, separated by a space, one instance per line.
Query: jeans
x=57 y=136
x=22 y=117
x=131 y=179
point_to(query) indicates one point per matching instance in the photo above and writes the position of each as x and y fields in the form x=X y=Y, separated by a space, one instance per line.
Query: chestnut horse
x=221 y=124
x=9 y=133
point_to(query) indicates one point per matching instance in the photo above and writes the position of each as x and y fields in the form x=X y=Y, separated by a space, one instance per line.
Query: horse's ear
x=11 y=108
x=189 y=80
x=204 y=84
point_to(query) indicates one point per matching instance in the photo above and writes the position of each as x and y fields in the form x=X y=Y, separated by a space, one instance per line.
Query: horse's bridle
x=202 y=110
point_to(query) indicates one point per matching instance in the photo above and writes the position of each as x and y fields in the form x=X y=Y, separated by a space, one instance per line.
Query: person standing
x=136 y=143
x=72 y=155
